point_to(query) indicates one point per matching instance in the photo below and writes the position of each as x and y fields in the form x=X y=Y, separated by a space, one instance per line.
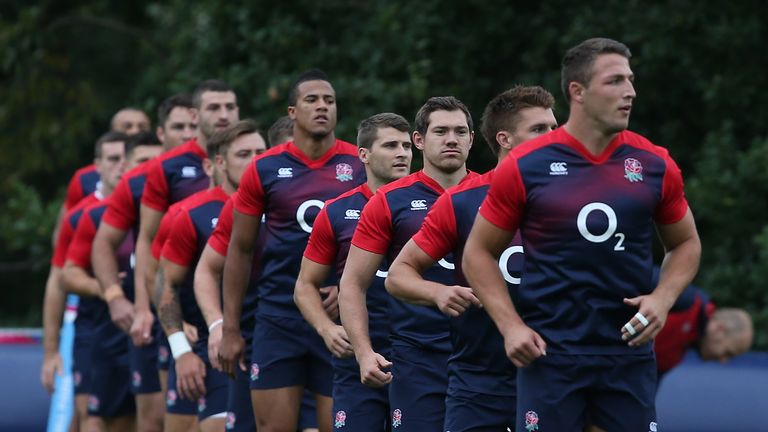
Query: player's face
x=608 y=98
x=390 y=155
x=180 y=126
x=130 y=122
x=315 y=110
x=141 y=154
x=111 y=163
x=718 y=345
x=217 y=111
x=532 y=122
x=447 y=141
x=239 y=156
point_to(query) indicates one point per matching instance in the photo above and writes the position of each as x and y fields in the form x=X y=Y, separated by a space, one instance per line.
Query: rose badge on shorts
x=341 y=419
x=531 y=421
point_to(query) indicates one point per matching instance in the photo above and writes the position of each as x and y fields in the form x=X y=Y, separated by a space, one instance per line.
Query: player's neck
x=312 y=146
x=373 y=182
x=202 y=141
x=105 y=190
x=589 y=134
x=444 y=178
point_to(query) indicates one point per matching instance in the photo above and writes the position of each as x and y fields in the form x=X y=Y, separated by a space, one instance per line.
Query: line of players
x=246 y=282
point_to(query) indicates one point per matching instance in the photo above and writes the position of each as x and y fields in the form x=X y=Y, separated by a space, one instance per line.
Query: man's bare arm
x=76 y=280
x=141 y=330
x=54 y=303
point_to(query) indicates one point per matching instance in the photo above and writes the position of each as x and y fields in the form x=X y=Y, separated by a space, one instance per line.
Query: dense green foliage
x=65 y=67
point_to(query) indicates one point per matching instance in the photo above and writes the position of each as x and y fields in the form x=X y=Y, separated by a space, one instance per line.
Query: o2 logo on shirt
x=610 y=231
x=301 y=213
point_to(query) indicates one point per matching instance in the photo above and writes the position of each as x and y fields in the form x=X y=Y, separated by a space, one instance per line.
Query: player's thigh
x=179 y=422
x=471 y=411
x=418 y=389
x=625 y=397
x=277 y=410
x=357 y=407
x=552 y=395
x=239 y=408
x=216 y=423
x=121 y=424
x=214 y=403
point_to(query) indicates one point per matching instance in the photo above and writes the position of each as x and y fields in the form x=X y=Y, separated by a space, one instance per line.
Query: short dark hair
x=439 y=103
x=110 y=136
x=140 y=139
x=368 y=129
x=182 y=100
x=221 y=140
x=578 y=61
x=501 y=113
x=211 y=85
x=310 y=75
x=280 y=131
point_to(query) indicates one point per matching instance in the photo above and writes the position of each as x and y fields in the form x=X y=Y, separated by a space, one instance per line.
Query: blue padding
x=700 y=396
x=23 y=401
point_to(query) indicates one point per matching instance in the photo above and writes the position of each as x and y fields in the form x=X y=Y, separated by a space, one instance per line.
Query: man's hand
x=372 y=370
x=190 y=332
x=190 y=376
x=52 y=366
x=331 y=301
x=454 y=300
x=141 y=330
x=214 y=344
x=231 y=352
x=648 y=322
x=121 y=312
x=337 y=341
x=523 y=345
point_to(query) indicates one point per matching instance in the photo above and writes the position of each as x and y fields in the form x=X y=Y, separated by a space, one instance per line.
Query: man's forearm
x=207 y=290
x=307 y=298
x=104 y=260
x=54 y=303
x=169 y=310
x=354 y=317
x=76 y=281
x=236 y=272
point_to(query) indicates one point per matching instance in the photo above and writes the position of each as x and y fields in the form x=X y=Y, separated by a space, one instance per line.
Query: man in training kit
x=109 y=160
x=121 y=220
x=586 y=199
x=384 y=148
x=230 y=151
x=419 y=334
x=110 y=399
x=174 y=176
x=288 y=184
x=481 y=380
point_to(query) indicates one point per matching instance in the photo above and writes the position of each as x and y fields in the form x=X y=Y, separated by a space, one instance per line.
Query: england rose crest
x=231 y=419
x=170 y=398
x=531 y=421
x=633 y=170
x=136 y=379
x=201 y=405
x=344 y=172
x=254 y=372
x=397 y=418
x=341 y=419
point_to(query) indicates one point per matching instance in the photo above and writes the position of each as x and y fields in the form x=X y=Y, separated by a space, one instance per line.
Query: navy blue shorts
x=357 y=407
x=418 y=389
x=175 y=404
x=144 y=375
x=81 y=367
x=287 y=352
x=478 y=412
x=110 y=394
x=239 y=408
x=214 y=403
x=567 y=392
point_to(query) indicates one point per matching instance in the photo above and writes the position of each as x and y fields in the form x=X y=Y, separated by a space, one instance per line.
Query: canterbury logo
x=352 y=214
x=419 y=204
x=285 y=173
x=558 y=168
x=188 y=172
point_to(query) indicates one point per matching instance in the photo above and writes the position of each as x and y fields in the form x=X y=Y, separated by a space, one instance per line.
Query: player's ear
x=363 y=153
x=418 y=140
x=292 y=112
x=208 y=167
x=576 y=90
x=504 y=139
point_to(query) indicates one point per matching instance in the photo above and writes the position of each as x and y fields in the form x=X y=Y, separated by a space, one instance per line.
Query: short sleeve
x=63 y=240
x=121 y=211
x=166 y=223
x=79 y=251
x=673 y=204
x=503 y=207
x=155 y=194
x=219 y=239
x=74 y=192
x=322 y=247
x=250 y=197
x=437 y=236
x=181 y=245
x=374 y=231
